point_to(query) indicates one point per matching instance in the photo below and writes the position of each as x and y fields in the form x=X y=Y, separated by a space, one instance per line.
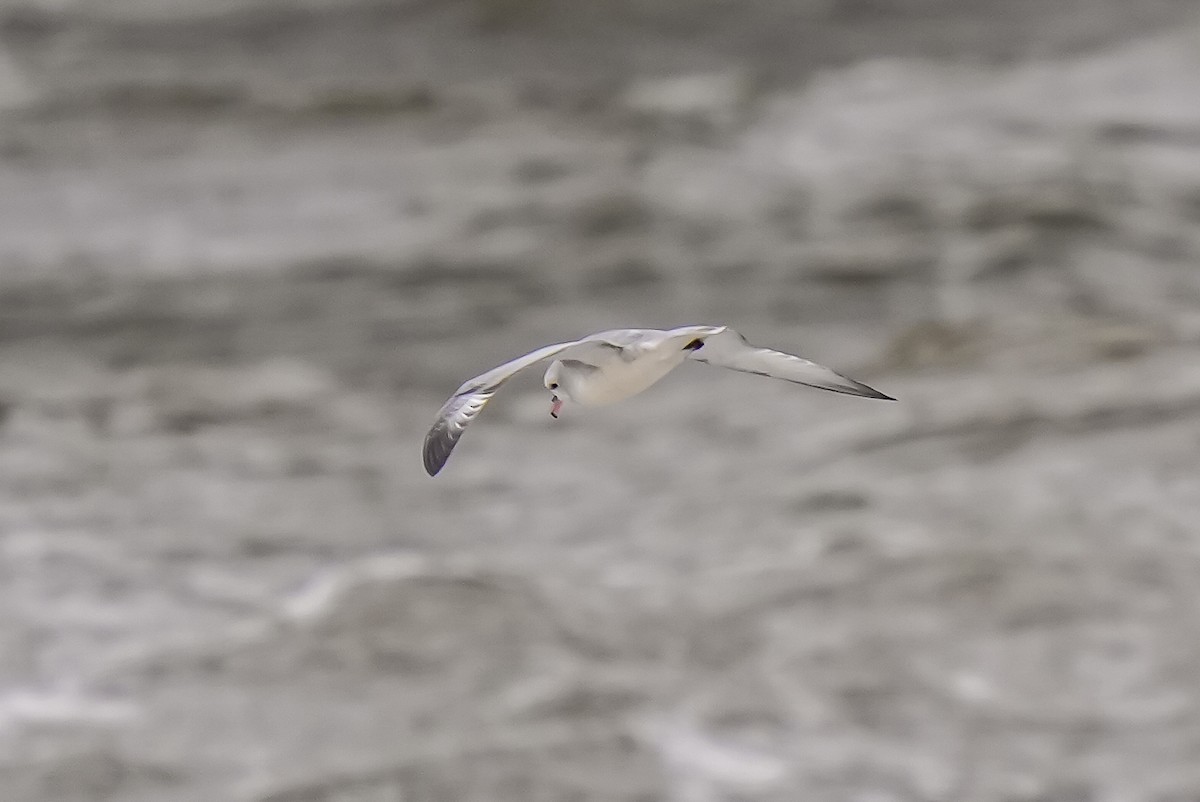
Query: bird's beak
x=555 y=406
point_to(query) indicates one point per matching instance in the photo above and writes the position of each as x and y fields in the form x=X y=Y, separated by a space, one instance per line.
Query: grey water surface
x=248 y=247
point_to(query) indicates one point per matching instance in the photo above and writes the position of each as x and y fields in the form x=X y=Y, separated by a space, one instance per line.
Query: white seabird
x=614 y=365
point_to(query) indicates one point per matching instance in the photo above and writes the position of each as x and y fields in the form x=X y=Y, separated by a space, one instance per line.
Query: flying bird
x=614 y=365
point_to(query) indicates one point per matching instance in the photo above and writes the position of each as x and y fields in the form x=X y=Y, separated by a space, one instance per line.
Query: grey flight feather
x=469 y=400
x=726 y=348
x=580 y=366
x=629 y=344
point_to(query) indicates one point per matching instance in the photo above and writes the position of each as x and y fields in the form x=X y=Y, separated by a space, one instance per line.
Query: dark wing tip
x=452 y=421
x=870 y=392
x=438 y=445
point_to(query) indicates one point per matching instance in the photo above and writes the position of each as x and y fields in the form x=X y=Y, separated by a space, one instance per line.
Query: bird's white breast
x=618 y=379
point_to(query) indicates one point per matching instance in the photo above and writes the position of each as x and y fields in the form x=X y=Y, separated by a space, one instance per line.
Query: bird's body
x=614 y=374
x=614 y=365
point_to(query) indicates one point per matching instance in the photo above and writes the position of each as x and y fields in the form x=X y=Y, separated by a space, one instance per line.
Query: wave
x=258 y=55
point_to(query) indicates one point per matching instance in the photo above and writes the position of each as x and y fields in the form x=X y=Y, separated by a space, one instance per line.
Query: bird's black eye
x=553 y=385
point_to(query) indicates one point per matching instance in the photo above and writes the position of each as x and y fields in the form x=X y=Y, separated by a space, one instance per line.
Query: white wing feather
x=727 y=349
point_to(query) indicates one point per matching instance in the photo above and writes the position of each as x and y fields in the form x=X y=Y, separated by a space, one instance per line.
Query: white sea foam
x=323 y=592
x=25 y=706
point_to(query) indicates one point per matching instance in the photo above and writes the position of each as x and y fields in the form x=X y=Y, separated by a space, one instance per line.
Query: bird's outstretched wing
x=469 y=400
x=724 y=347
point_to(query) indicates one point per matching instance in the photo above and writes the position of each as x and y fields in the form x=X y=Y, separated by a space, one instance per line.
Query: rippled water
x=246 y=255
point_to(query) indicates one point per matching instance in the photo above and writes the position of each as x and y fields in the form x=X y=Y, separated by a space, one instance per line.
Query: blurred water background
x=247 y=247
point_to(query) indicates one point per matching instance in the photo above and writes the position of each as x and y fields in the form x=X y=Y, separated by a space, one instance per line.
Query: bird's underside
x=614 y=356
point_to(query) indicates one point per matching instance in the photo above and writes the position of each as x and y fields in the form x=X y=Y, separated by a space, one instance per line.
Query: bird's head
x=555 y=381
